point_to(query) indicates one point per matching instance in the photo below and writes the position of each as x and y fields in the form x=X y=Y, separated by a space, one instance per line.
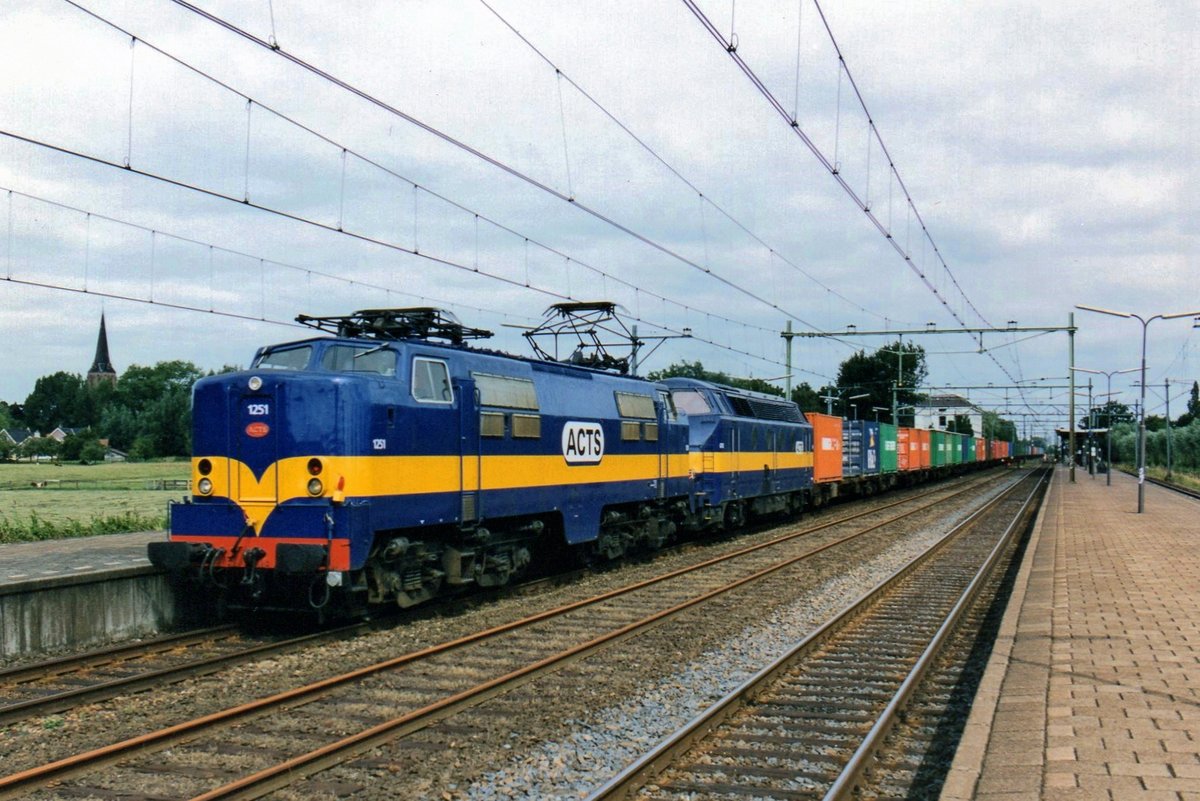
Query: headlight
x=315 y=487
x=205 y=467
x=314 y=467
x=255 y=383
x=205 y=486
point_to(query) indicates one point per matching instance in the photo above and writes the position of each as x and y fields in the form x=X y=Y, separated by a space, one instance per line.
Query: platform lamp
x=1145 y=321
x=1108 y=438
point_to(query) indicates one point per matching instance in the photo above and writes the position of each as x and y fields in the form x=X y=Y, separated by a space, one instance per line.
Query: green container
x=887 y=448
x=969 y=450
x=938 y=457
x=954 y=443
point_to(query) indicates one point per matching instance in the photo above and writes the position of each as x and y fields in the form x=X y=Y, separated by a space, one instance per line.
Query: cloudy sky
x=1050 y=148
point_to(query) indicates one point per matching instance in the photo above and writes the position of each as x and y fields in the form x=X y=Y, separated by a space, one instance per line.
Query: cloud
x=1050 y=149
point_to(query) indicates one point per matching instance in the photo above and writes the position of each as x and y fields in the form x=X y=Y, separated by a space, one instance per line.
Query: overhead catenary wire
x=156 y=233
x=417 y=188
x=212 y=247
x=491 y=160
x=832 y=167
x=658 y=157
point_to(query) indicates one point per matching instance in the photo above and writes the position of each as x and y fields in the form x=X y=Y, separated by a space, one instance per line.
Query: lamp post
x=1145 y=321
x=1108 y=374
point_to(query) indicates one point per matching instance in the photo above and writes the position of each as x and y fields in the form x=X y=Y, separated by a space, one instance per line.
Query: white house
x=940 y=410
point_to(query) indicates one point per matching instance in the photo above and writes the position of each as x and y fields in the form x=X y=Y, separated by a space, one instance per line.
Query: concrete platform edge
x=119 y=605
x=967 y=766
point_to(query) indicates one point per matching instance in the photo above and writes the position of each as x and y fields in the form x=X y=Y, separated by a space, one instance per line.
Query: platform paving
x=26 y=565
x=1093 y=689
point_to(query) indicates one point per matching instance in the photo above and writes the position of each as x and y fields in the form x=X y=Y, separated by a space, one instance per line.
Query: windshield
x=690 y=402
x=352 y=359
x=288 y=359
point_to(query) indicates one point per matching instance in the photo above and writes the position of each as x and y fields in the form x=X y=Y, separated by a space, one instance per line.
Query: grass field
x=45 y=501
x=1181 y=477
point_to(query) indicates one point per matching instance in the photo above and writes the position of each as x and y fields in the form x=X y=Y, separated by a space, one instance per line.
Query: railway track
x=326 y=723
x=809 y=725
x=64 y=683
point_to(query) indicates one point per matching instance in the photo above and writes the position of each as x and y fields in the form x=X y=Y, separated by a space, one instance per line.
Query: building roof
x=17 y=435
x=102 y=364
x=947 y=402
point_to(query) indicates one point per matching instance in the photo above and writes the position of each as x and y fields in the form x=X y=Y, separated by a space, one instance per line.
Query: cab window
x=431 y=381
x=288 y=359
x=690 y=402
x=349 y=359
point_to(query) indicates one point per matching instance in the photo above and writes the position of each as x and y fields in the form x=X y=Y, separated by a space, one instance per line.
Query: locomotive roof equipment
x=585 y=323
x=421 y=322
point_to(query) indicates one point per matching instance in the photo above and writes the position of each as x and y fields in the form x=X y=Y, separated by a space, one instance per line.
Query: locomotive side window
x=289 y=359
x=690 y=402
x=526 y=426
x=505 y=391
x=349 y=359
x=431 y=381
x=491 y=424
x=631 y=405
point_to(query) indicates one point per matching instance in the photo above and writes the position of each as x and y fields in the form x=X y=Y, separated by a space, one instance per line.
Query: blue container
x=872 y=447
x=853 y=457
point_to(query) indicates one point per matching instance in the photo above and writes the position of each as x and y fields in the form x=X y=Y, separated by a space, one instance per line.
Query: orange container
x=980 y=449
x=903 y=437
x=924 y=454
x=827 y=447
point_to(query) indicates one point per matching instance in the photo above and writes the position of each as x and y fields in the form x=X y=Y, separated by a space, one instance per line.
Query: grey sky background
x=1051 y=149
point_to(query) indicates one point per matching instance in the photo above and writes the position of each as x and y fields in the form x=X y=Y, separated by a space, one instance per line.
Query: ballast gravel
x=600 y=745
x=566 y=733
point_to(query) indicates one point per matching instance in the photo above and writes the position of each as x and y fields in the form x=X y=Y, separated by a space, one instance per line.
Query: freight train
x=387 y=460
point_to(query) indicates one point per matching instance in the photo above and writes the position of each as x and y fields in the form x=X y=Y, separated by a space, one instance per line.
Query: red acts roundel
x=257 y=430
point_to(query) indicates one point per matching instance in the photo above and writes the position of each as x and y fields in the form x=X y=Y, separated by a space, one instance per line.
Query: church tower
x=102 y=370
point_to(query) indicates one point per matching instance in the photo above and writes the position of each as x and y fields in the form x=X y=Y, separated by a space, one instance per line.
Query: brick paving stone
x=1098 y=659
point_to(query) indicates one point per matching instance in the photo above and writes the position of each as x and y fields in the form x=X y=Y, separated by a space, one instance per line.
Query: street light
x=1108 y=437
x=1145 y=321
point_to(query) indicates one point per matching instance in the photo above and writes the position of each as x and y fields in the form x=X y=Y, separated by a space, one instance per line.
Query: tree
x=6 y=416
x=876 y=374
x=1193 y=407
x=140 y=386
x=120 y=426
x=962 y=425
x=92 y=453
x=807 y=398
x=996 y=427
x=57 y=400
x=36 y=447
x=1108 y=415
x=149 y=413
x=166 y=424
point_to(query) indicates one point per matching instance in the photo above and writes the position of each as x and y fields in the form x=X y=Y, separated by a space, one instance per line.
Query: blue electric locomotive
x=390 y=462
x=751 y=454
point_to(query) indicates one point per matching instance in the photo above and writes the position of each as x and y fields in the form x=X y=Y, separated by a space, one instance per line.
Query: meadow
x=40 y=501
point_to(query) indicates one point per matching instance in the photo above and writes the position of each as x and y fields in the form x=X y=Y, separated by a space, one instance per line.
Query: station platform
x=33 y=565
x=72 y=593
x=1092 y=690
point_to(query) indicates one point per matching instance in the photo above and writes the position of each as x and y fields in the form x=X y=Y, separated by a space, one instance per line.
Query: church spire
x=102 y=369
